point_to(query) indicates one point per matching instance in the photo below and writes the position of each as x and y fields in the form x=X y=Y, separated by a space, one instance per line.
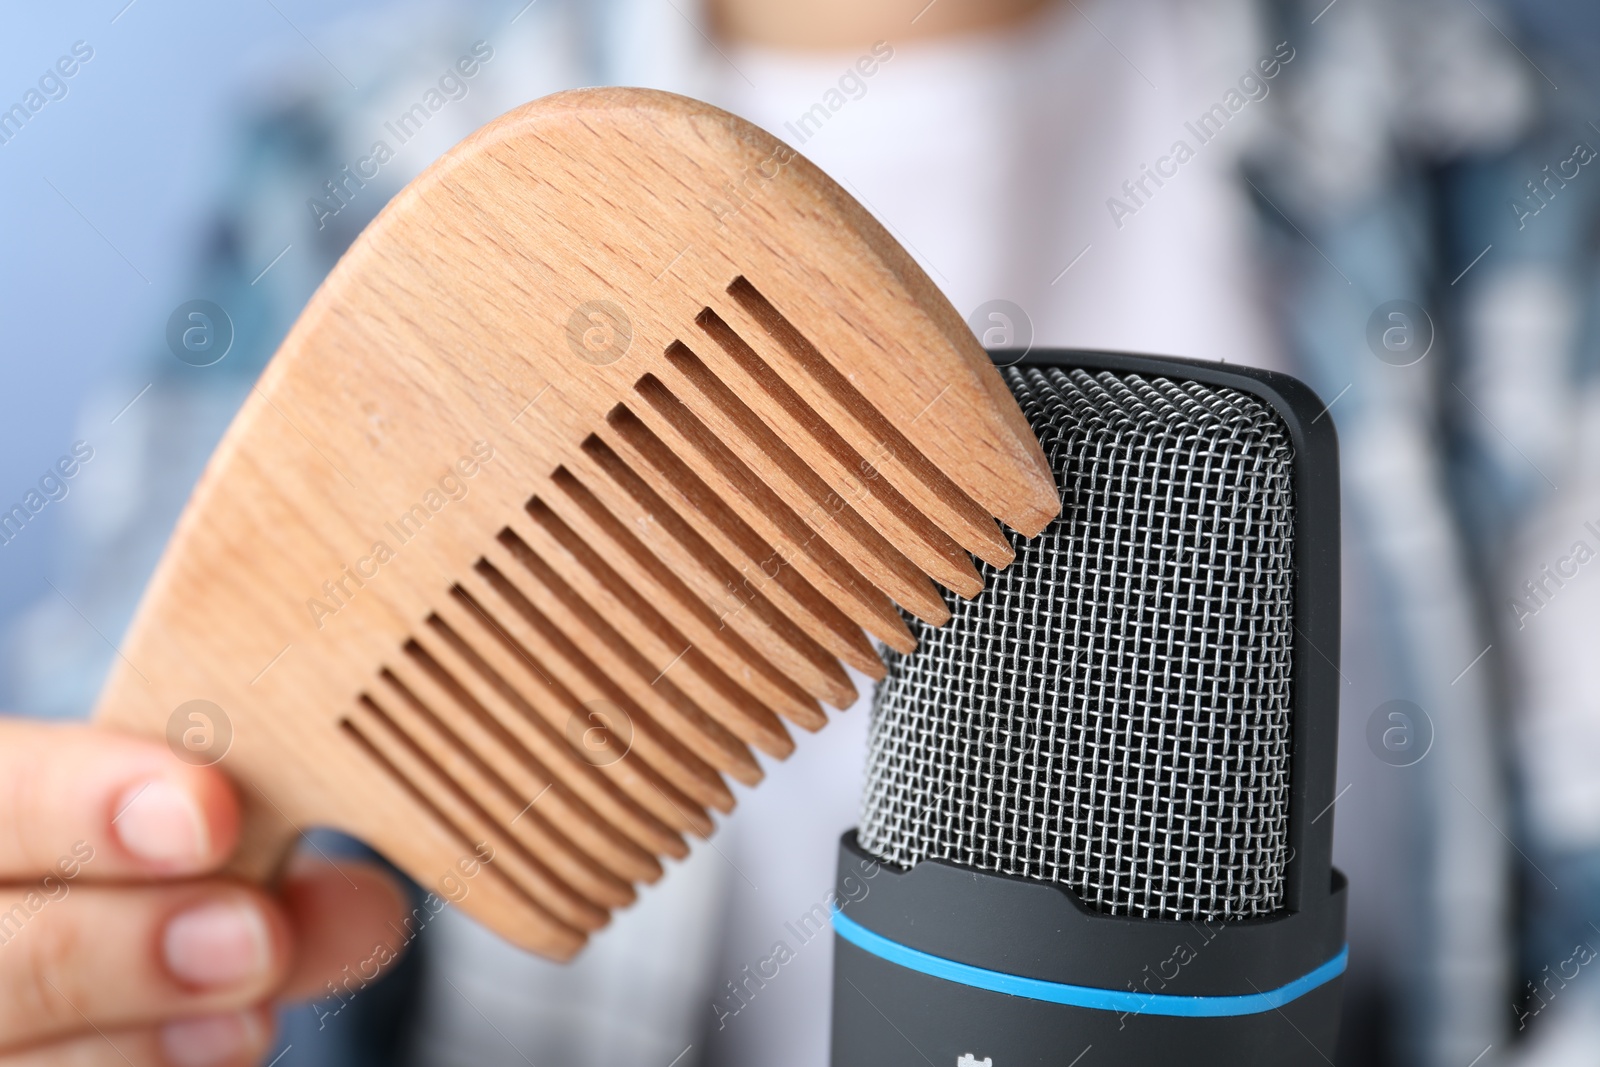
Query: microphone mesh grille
x=1113 y=712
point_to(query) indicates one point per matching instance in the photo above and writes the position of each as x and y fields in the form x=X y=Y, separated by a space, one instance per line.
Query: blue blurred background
x=109 y=192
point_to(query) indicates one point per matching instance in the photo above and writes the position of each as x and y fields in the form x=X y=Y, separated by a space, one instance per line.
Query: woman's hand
x=119 y=944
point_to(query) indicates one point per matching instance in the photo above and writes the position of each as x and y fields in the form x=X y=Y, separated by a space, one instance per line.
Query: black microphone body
x=1098 y=818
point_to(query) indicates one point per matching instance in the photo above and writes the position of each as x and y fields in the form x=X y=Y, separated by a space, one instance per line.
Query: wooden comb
x=607 y=443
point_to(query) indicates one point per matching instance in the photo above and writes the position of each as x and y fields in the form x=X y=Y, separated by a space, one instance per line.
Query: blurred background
x=1397 y=201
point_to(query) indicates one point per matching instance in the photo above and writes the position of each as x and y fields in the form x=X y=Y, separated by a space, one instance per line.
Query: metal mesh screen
x=1113 y=711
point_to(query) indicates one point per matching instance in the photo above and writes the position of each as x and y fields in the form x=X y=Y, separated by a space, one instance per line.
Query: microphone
x=1097 y=823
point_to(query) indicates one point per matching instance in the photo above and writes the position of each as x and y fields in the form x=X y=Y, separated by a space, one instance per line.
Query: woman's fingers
x=349 y=921
x=81 y=803
x=98 y=957
x=86 y=958
x=103 y=961
x=236 y=1039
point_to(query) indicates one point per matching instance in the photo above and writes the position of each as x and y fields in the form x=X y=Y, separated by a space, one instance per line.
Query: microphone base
x=886 y=1016
x=918 y=954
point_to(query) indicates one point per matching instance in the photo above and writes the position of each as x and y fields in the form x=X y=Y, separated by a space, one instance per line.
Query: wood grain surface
x=601 y=452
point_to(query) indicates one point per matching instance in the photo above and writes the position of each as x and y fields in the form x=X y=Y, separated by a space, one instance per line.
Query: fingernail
x=204 y=1042
x=160 y=822
x=223 y=943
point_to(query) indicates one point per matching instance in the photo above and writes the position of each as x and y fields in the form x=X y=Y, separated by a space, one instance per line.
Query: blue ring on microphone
x=1078 y=996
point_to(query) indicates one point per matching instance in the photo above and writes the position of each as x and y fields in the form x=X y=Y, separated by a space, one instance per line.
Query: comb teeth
x=686 y=583
x=758 y=445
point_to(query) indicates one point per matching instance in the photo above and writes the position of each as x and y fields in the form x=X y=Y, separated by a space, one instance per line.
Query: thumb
x=350 y=923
